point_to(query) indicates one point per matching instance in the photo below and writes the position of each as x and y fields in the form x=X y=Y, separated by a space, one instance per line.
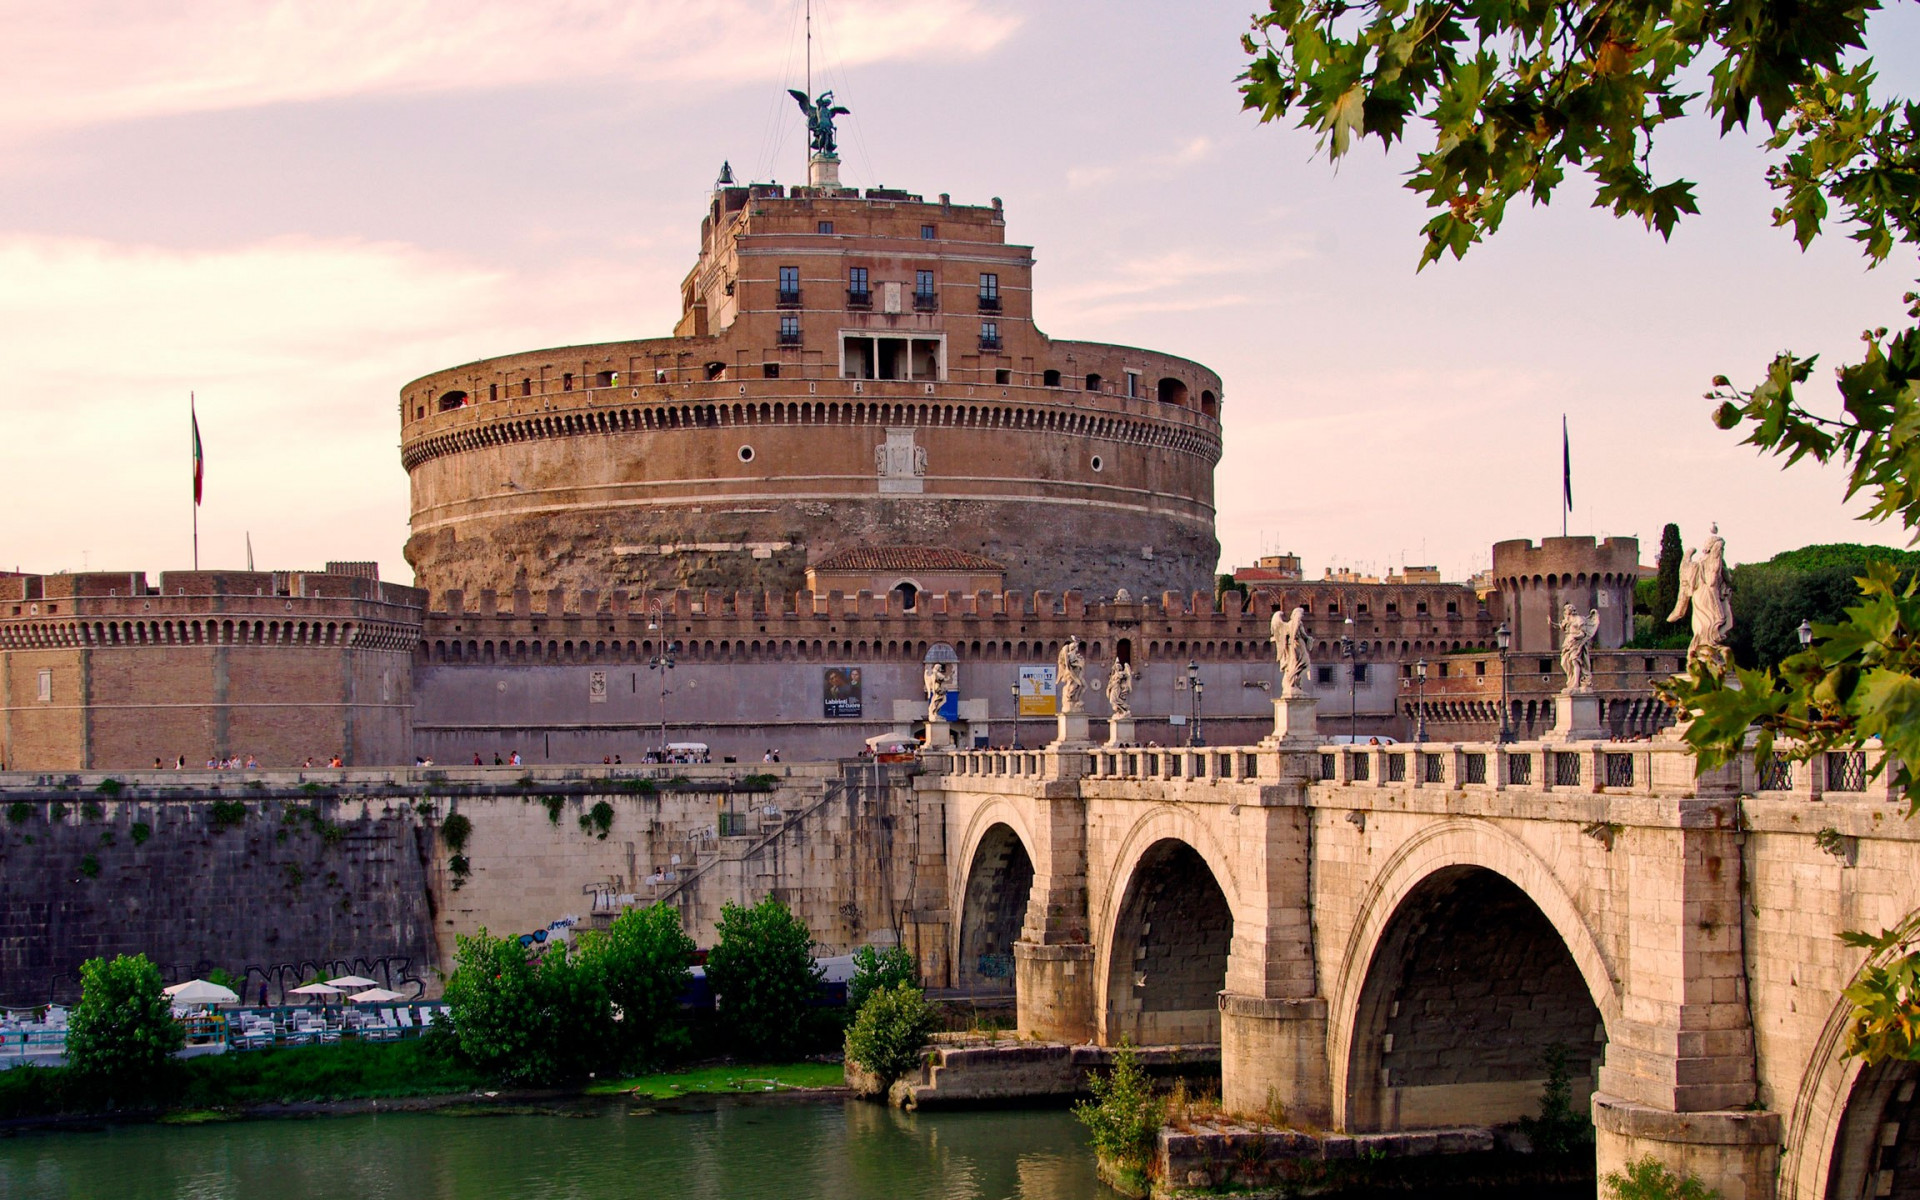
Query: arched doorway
x=999 y=881
x=906 y=593
x=1467 y=989
x=1168 y=959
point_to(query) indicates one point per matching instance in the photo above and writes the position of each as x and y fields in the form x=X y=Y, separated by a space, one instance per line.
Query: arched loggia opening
x=1168 y=961
x=1468 y=988
x=999 y=881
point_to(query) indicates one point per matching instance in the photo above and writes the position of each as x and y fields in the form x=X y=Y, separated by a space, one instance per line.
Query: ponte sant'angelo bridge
x=1391 y=937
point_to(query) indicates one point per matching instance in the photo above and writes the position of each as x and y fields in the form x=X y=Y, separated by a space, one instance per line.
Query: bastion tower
x=850 y=370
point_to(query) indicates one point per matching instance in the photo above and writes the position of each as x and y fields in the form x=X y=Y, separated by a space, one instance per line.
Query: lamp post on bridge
x=1503 y=637
x=1349 y=649
x=1015 y=691
x=1420 y=700
x=1194 y=688
x=661 y=661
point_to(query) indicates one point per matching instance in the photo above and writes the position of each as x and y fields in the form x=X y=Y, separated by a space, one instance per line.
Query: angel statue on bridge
x=1070 y=675
x=1290 y=642
x=938 y=678
x=1576 y=646
x=1120 y=689
x=820 y=115
x=1703 y=587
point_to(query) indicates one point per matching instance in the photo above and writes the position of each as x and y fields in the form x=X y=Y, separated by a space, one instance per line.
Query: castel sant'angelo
x=856 y=449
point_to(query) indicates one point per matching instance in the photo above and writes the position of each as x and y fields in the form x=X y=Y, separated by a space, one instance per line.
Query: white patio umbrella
x=354 y=981
x=378 y=995
x=199 y=991
x=322 y=990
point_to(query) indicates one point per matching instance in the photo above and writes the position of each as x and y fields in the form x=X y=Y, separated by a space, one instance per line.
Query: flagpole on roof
x=193 y=419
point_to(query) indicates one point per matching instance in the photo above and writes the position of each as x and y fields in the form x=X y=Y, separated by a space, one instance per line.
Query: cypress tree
x=1667 y=590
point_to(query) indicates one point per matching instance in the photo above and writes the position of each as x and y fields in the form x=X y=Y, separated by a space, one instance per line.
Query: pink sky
x=292 y=209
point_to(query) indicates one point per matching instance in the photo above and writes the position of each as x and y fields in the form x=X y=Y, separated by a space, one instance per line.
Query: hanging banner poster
x=1036 y=691
x=843 y=692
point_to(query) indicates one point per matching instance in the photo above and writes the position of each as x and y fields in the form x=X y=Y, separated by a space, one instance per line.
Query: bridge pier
x=1273 y=1052
x=1735 y=1152
x=1053 y=990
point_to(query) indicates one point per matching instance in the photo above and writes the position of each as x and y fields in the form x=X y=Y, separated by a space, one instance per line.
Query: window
x=926 y=233
x=925 y=297
x=789 y=285
x=1360 y=672
x=1333 y=606
x=1363 y=608
x=877 y=356
x=1393 y=606
x=46 y=685
x=1093 y=383
x=1050 y=378
x=1453 y=606
x=1133 y=385
x=716 y=370
x=420 y=412
x=789 y=331
x=1546 y=666
x=989 y=293
x=566 y=382
x=1443 y=669
x=493 y=391
x=823 y=227
x=1646 y=664
x=858 y=293
x=1323 y=674
x=1480 y=668
x=1420 y=607
x=526 y=387
x=452 y=400
x=770 y=370
x=1003 y=376
x=989 y=335
x=606 y=379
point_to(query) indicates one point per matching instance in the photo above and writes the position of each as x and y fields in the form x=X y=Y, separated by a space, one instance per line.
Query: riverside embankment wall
x=281 y=876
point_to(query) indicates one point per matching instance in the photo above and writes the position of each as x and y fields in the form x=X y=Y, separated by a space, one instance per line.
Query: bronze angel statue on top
x=820 y=115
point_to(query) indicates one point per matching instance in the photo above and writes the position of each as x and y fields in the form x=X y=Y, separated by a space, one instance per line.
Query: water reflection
x=735 y=1151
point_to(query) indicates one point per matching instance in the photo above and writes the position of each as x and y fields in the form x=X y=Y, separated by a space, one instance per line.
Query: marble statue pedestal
x=1120 y=731
x=823 y=170
x=1074 y=729
x=939 y=735
x=1294 y=722
x=1576 y=718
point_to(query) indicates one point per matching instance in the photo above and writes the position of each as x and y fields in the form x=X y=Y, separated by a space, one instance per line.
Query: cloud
x=296 y=348
x=89 y=61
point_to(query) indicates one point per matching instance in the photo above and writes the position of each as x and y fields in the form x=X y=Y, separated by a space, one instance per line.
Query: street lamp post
x=1349 y=649
x=661 y=661
x=1502 y=637
x=1804 y=633
x=1015 y=690
x=1193 y=699
x=1420 y=700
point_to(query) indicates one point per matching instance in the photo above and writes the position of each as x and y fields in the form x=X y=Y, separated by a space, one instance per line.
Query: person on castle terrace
x=496 y=759
x=253 y=764
x=514 y=759
x=335 y=761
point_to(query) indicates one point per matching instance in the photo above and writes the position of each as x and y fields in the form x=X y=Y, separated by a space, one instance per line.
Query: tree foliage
x=121 y=1037
x=1666 y=591
x=876 y=970
x=894 y=1024
x=1646 y=1179
x=763 y=976
x=644 y=961
x=525 y=1021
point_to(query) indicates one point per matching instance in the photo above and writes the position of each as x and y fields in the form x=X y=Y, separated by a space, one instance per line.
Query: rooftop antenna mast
x=809 y=47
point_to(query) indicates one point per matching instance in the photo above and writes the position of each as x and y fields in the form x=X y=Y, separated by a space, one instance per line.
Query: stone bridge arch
x=1171 y=926
x=990 y=886
x=1461 y=907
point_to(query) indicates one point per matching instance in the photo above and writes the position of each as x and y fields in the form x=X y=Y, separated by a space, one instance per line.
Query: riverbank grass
x=724 y=1080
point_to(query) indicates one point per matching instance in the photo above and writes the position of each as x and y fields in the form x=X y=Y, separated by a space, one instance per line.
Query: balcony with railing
x=926 y=302
x=989 y=304
x=789 y=337
x=787 y=298
x=861 y=298
x=990 y=345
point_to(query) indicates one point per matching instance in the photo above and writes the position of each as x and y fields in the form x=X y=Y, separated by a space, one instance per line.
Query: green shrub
x=122 y=1035
x=598 y=820
x=141 y=831
x=89 y=866
x=455 y=831
x=554 y=805
x=1124 y=1114
x=459 y=867
x=1646 y=1179
x=111 y=787
x=644 y=960
x=763 y=976
x=92 y=810
x=877 y=970
x=893 y=1025
x=225 y=814
x=56 y=812
x=19 y=812
x=1558 y=1129
x=759 y=783
x=523 y=1022
x=638 y=787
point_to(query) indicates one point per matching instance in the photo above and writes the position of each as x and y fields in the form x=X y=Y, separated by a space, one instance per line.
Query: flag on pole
x=1566 y=465
x=199 y=456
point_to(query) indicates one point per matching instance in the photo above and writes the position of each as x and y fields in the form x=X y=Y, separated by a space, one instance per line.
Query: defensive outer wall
x=1377 y=937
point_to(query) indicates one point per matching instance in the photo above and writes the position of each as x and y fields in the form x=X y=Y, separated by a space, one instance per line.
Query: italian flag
x=199 y=455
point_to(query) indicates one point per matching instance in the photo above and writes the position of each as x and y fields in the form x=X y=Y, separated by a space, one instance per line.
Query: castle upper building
x=849 y=370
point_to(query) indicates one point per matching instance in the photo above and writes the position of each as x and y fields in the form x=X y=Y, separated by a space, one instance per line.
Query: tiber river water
x=732 y=1150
